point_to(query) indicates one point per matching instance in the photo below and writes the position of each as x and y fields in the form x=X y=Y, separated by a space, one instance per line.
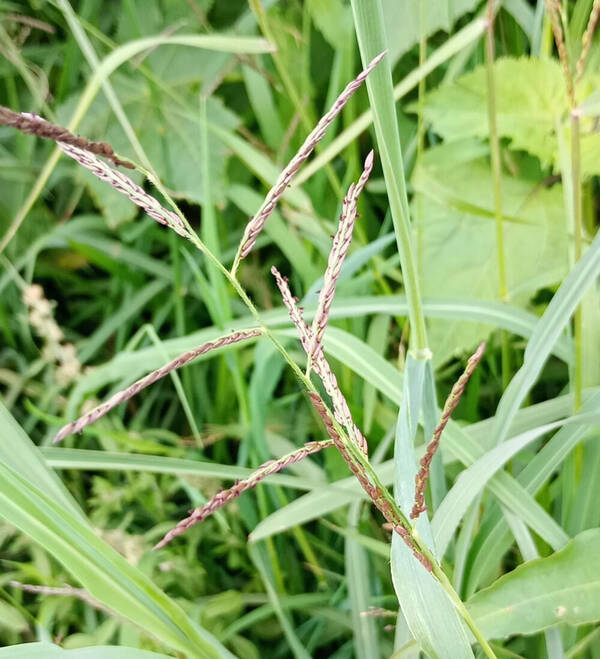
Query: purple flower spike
x=151 y=378
x=339 y=249
x=256 y=223
x=223 y=497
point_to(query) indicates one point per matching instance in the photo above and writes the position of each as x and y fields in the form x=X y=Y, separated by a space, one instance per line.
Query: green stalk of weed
x=497 y=178
x=354 y=455
x=578 y=248
x=368 y=21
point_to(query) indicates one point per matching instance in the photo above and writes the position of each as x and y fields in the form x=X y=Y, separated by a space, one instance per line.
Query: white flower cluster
x=54 y=351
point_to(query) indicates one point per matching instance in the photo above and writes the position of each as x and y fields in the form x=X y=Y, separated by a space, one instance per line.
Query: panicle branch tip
x=32 y=124
x=223 y=497
x=449 y=407
x=151 y=378
x=256 y=223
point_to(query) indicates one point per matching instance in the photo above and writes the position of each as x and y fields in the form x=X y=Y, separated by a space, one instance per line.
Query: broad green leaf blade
x=430 y=615
x=104 y=573
x=562 y=588
x=51 y=651
x=19 y=453
x=531 y=97
x=459 y=242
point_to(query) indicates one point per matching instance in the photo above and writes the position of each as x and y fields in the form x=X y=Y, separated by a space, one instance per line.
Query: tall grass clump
x=471 y=525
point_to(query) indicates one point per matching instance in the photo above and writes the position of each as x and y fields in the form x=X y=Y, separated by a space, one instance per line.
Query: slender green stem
x=462 y=609
x=421 y=133
x=497 y=179
x=495 y=151
x=369 y=23
x=578 y=244
x=355 y=455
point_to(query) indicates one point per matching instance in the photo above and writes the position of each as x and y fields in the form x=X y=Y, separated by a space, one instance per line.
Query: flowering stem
x=352 y=452
x=578 y=244
x=497 y=178
x=449 y=407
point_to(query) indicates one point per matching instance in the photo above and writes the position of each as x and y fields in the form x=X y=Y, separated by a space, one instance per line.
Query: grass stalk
x=578 y=249
x=368 y=20
x=497 y=179
x=355 y=457
x=421 y=131
x=462 y=609
x=362 y=465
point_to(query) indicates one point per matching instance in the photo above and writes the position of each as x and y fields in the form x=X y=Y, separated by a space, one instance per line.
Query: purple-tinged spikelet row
x=372 y=490
x=223 y=497
x=126 y=394
x=339 y=249
x=320 y=364
x=449 y=407
x=126 y=186
x=554 y=10
x=256 y=223
x=32 y=124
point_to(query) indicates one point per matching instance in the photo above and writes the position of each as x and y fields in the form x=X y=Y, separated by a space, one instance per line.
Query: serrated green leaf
x=531 y=100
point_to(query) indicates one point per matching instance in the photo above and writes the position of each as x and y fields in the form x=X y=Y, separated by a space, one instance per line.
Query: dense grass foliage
x=477 y=223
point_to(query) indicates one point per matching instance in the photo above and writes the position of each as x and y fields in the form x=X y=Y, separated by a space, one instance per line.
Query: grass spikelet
x=126 y=186
x=449 y=407
x=372 y=489
x=586 y=39
x=151 y=378
x=554 y=13
x=256 y=223
x=223 y=497
x=320 y=364
x=32 y=124
x=339 y=249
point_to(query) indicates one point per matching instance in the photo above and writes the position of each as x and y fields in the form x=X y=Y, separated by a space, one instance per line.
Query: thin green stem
x=421 y=133
x=357 y=459
x=462 y=609
x=578 y=245
x=369 y=23
x=495 y=150
x=497 y=182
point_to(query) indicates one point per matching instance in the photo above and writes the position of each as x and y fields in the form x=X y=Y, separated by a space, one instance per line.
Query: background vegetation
x=502 y=219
